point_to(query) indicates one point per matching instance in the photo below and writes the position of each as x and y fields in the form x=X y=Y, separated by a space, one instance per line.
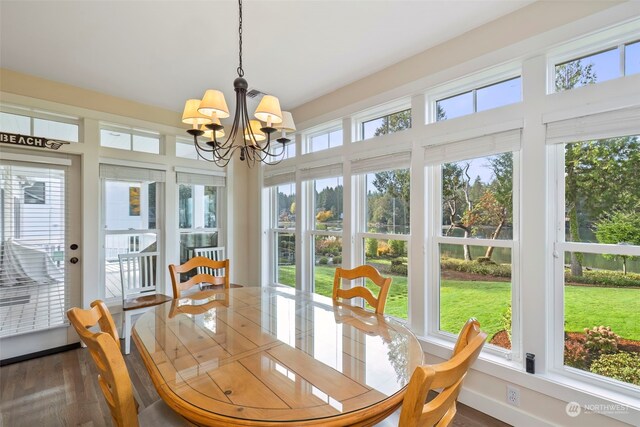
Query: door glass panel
x=33 y=285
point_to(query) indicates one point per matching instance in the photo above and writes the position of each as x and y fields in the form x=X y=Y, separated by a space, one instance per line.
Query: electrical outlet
x=513 y=395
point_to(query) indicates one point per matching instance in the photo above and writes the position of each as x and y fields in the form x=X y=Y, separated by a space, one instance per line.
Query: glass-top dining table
x=276 y=356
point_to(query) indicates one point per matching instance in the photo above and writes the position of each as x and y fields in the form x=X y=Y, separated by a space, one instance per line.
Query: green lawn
x=586 y=307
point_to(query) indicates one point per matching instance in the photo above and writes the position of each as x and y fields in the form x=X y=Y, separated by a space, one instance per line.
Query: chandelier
x=251 y=137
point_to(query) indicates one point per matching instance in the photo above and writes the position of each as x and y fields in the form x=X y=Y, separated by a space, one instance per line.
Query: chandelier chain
x=240 y=70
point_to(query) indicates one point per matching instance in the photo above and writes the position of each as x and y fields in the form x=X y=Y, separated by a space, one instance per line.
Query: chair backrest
x=216 y=253
x=138 y=273
x=365 y=272
x=194 y=263
x=104 y=347
x=447 y=376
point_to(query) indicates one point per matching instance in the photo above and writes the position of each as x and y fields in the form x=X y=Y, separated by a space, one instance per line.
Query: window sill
x=552 y=384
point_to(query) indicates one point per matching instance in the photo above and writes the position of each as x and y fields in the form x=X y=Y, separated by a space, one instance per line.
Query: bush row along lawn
x=585 y=307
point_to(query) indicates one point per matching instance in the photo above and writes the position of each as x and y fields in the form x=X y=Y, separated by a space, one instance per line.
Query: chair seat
x=143 y=301
x=159 y=414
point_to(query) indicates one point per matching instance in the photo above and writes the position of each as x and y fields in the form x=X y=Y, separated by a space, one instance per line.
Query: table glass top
x=276 y=354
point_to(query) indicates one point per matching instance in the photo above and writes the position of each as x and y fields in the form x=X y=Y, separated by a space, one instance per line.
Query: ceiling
x=162 y=52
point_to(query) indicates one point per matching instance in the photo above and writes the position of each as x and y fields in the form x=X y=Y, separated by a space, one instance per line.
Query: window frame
x=470 y=83
x=434 y=238
x=556 y=191
x=327 y=129
x=32 y=115
x=132 y=132
x=360 y=231
x=602 y=41
x=274 y=231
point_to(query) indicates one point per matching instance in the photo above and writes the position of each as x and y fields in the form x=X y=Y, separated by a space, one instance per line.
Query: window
x=186 y=150
x=477 y=203
x=475 y=241
x=326 y=233
x=130 y=139
x=632 y=59
x=35 y=194
x=283 y=230
x=479 y=99
x=384 y=125
x=130 y=207
x=597 y=67
x=598 y=263
x=66 y=130
x=199 y=198
x=385 y=232
x=324 y=140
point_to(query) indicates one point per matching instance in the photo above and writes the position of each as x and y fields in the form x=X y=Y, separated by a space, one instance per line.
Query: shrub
x=397 y=261
x=485 y=269
x=337 y=260
x=396 y=247
x=383 y=249
x=604 y=278
x=323 y=216
x=400 y=270
x=485 y=260
x=321 y=226
x=575 y=354
x=505 y=321
x=622 y=366
x=600 y=340
x=372 y=248
x=323 y=261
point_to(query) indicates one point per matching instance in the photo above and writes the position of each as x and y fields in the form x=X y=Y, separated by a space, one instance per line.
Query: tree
x=569 y=76
x=457 y=204
x=621 y=227
x=498 y=208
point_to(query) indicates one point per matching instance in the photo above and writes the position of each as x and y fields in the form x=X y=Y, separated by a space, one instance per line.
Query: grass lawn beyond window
x=585 y=307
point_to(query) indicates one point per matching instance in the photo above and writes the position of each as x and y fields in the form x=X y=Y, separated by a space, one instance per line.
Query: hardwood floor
x=62 y=390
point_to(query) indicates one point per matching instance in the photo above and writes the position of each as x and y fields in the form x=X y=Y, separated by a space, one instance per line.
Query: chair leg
x=127 y=332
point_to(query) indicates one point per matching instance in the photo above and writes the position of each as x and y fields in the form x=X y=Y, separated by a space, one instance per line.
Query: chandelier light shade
x=287 y=125
x=252 y=137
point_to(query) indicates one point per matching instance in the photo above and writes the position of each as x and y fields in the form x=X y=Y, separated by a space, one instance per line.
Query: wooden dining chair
x=447 y=376
x=216 y=253
x=138 y=274
x=206 y=278
x=113 y=376
x=362 y=272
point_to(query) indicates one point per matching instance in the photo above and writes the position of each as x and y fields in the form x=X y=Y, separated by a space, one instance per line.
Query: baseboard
x=37 y=354
x=501 y=411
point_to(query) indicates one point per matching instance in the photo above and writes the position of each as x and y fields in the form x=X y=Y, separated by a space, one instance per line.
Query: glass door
x=39 y=253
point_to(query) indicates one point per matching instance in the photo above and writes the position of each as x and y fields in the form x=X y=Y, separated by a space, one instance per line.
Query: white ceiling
x=163 y=52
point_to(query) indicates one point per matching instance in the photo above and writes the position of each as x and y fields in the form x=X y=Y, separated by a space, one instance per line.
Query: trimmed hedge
x=605 y=278
x=484 y=268
x=622 y=366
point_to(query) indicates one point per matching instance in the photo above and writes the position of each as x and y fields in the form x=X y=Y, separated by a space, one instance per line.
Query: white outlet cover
x=513 y=395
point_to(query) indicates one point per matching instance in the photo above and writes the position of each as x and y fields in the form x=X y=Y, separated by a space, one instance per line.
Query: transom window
x=597 y=67
x=324 y=140
x=63 y=128
x=387 y=124
x=130 y=139
x=480 y=99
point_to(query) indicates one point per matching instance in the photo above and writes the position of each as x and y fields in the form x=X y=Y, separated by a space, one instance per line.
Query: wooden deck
x=31 y=307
